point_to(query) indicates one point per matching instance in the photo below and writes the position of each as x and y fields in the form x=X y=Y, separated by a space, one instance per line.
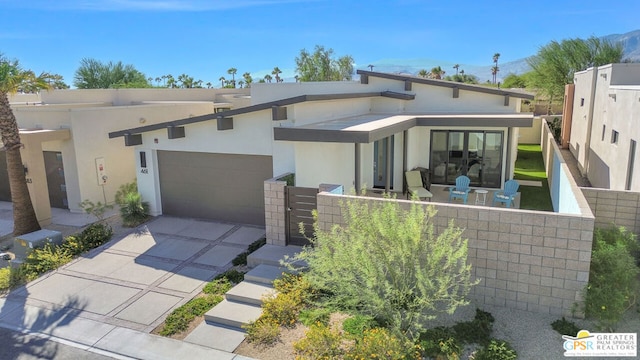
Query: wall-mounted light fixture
x=142 y=120
x=26 y=169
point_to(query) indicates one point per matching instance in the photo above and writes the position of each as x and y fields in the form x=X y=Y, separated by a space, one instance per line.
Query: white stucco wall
x=325 y=163
x=616 y=106
x=265 y=92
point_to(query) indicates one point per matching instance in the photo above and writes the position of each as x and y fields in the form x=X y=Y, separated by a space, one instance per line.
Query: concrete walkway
x=110 y=299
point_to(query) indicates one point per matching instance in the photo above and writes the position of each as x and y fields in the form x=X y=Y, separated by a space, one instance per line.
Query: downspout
x=405 y=150
x=357 y=168
x=587 y=150
x=387 y=183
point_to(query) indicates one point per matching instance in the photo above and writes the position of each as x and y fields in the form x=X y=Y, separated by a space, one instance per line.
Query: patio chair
x=415 y=186
x=507 y=195
x=461 y=190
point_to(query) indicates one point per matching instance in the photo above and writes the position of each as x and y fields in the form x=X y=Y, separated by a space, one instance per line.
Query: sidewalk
x=110 y=299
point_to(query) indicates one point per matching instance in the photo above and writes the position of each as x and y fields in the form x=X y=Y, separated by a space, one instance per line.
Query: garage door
x=214 y=186
x=5 y=192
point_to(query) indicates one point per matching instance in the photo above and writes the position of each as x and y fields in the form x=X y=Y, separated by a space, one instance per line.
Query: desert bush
x=234 y=276
x=42 y=260
x=5 y=279
x=217 y=287
x=133 y=210
x=440 y=343
x=320 y=342
x=496 y=350
x=476 y=331
x=256 y=245
x=388 y=263
x=180 y=318
x=240 y=259
x=314 y=315
x=263 y=331
x=358 y=324
x=97 y=209
x=125 y=189
x=613 y=277
x=283 y=308
x=380 y=343
x=565 y=327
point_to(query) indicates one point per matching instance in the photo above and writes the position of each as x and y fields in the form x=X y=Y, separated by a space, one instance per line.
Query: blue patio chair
x=507 y=195
x=461 y=190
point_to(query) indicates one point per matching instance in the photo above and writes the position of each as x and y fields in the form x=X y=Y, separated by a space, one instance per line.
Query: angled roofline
x=259 y=107
x=445 y=83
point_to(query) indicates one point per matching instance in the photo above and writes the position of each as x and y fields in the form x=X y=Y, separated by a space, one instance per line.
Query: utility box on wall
x=23 y=245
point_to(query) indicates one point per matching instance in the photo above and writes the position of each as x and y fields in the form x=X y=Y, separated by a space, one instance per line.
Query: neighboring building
x=67 y=155
x=358 y=135
x=604 y=125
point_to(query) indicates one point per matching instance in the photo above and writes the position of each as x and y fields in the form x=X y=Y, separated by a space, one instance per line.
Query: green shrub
x=263 y=331
x=5 y=279
x=320 y=342
x=315 y=315
x=217 y=287
x=295 y=283
x=95 y=235
x=496 y=350
x=476 y=331
x=613 y=283
x=233 y=276
x=283 y=307
x=389 y=263
x=240 y=259
x=42 y=260
x=380 y=343
x=125 y=189
x=565 y=327
x=181 y=317
x=133 y=210
x=440 y=342
x=358 y=324
x=256 y=245
x=96 y=209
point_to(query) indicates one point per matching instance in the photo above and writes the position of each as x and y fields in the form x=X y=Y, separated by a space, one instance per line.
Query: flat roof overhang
x=372 y=127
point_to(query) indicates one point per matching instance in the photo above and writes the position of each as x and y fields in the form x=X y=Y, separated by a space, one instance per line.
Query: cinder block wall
x=621 y=208
x=527 y=260
x=274 y=211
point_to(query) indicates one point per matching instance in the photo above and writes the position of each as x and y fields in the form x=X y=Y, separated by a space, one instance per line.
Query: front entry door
x=476 y=154
x=380 y=163
x=55 y=179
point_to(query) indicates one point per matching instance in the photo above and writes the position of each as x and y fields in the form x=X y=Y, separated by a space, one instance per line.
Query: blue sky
x=204 y=38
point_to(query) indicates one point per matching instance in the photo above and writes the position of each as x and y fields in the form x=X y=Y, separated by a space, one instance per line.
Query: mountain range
x=630 y=41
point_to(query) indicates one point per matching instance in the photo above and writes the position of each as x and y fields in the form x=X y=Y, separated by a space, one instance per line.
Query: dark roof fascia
x=259 y=107
x=518 y=121
x=449 y=84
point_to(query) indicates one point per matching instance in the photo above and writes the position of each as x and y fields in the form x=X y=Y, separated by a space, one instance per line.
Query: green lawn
x=530 y=166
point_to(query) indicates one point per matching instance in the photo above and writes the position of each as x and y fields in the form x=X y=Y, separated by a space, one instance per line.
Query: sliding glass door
x=476 y=154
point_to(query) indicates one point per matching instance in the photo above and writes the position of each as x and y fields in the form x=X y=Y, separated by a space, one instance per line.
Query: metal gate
x=299 y=202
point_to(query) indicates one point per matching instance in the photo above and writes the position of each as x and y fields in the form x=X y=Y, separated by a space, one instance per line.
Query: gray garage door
x=5 y=192
x=214 y=186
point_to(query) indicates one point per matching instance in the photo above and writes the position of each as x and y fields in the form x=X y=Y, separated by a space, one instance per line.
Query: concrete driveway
x=125 y=289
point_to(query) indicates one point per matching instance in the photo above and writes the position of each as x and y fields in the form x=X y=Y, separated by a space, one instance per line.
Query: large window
x=476 y=154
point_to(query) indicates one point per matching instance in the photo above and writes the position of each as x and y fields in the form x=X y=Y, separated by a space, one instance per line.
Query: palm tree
x=296 y=77
x=276 y=71
x=208 y=85
x=241 y=83
x=12 y=78
x=158 y=81
x=423 y=73
x=171 y=82
x=247 y=79
x=494 y=73
x=496 y=56
x=437 y=73
x=164 y=80
x=222 y=80
x=232 y=72
x=268 y=78
x=462 y=72
x=370 y=67
x=456 y=66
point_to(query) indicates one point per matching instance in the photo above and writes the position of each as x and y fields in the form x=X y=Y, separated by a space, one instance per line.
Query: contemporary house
x=355 y=134
x=67 y=156
x=603 y=120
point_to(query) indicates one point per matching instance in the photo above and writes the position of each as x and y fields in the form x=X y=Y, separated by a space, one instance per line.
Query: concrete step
x=249 y=293
x=216 y=336
x=271 y=255
x=264 y=274
x=232 y=314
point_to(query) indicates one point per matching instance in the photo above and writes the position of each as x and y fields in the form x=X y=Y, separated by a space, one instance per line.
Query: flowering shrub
x=379 y=343
x=320 y=342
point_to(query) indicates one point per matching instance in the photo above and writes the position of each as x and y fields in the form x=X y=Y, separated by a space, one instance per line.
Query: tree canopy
x=94 y=74
x=323 y=66
x=555 y=63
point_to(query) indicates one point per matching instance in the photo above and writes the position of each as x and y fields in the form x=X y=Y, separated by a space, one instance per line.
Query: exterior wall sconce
x=26 y=169
x=142 y=120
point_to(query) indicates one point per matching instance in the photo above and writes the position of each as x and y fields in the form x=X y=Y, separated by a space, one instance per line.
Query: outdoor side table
x=481 y=197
